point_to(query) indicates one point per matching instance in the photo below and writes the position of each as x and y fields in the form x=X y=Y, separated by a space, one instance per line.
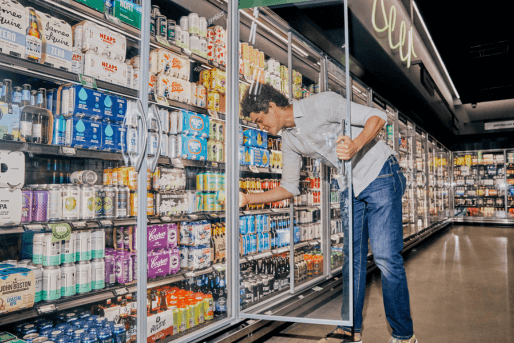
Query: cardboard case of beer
x=173 y=88
x=167 y=62
x=105 y=69
x=9 y=122
x=195 y=124
x=169 y=204
x=89 y=103
x=83 y=133
x=12 y=174
x=194 y=148
x=17 y=289
x=10 y=207
x=102 y=41
x=57 y=42
x=13 y=28
x=159 y=326
x=128 y=12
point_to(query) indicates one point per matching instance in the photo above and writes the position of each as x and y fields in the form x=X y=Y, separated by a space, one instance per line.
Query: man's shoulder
x=321 y=99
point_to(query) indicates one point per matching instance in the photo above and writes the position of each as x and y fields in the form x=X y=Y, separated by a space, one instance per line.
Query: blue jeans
x=377 y=215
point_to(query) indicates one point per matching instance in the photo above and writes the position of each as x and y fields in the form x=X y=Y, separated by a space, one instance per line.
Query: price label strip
x=120 y=291
x=68 y=151
x=163 y=41
x=88 y=81
x=45 y=309
x=254 y=169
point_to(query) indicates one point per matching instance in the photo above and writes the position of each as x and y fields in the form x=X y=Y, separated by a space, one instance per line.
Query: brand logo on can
x=107 y=204
x=194 y=146
x=70 y=203
x=196 y=123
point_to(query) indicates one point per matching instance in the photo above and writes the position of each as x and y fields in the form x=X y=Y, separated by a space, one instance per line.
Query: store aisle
x=462 y=290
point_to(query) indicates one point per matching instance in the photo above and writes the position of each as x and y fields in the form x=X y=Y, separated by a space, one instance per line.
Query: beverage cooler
x=120 y=178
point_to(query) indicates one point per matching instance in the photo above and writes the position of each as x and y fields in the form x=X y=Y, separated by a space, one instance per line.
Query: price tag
x=216 y=64
x=93 y=224
x=336 y=278
x=192 y=216
x=186 y=52
x=68 y=151
x=310 y=174
x=254 y=169
x=247 y=212
x=249 y=258
x=213 y=114
x=166 y=219
x=79 y=225
x=34 y=227
x=112 y=19
x=106 y=222
x=213 y=215
x=274 y=251
x=120 y=291
x=218 y=267
x=177 y=162
x=215 y=164
x=317 y=289
x=162 y=41
x=189 y=275
x=46 y=309
x=244 y=122
x=300 y=297
x=162 y=101
x=153 y=220
x=87 y=81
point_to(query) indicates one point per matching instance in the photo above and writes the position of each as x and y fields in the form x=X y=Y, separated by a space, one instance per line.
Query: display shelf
x=312 y=242
x=59 y=76
x=199 y=327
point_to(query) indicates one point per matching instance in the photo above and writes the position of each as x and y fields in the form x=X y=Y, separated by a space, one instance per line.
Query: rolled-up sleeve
x=335 y=108
x=292 y=162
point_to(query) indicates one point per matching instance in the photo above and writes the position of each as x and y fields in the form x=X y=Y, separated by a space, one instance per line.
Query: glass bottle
x=33 y=40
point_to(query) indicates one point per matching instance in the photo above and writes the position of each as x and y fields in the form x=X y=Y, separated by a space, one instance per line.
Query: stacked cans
x=217 y=45
x=215 y=144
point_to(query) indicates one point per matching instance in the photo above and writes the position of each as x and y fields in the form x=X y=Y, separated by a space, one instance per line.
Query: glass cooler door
x=406 y=152
x=421 y=179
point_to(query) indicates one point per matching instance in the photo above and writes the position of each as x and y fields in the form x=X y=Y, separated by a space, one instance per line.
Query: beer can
x=37 y=248
x=152 y=143
x=65 y=101
x=132 y=178
x=68 y=247
x=150 y=204
x=110 y=269
x=122 y=176
x=152 y=26
x=83 y=274
x=164 y=144
x=97 y=243
x=184 y=23
x=37 y=269
x=27 y=198
x=162 y=26
x=55 y=203
x=121 y=208
x=201 y=96
x=40 y=205
x=68 y=280
x=109 y=201
x=51 y=283
x=114 y=177
x=133 y=204
x=51 y=251
x=107 y=177
x=77 y=61
x=202 y=27
x=171 y=36
x=71 y=202
x=84 y=177
x=99 y=202
x=194 y=25
x=171 y=146
x=132 y=140
x=83 y=245
x=97 y=273
x=87 y=202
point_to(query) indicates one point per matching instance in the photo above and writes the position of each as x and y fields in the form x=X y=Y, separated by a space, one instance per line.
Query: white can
x=178 y=36
x=77 y=61
x=84 y=177
x=164 y=144
x=184 y=23
x=68 y=280
x=87 y=202
x=178 y=146
x=83 y=275
x=65 y=101
x=171 y=146
x=37 y=248
x=193 y=94
x=98 y=243
x=71 y=202
x=38 y=276
x=194 y=44
x=97 y=273
x=154 y=58
x=174 y=122
x=202 y=27
x=164 y=115
x=194 y=24
x=51 y=283
x=203 y=47
x=54 y=202
x=130 y=75
x=68 y=249
x=51 y=251
x=77 y=36
x=83 y=245
x=185 y=39
x=152 y=143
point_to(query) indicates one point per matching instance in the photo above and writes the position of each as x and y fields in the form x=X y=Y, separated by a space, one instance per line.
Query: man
x=309 y=127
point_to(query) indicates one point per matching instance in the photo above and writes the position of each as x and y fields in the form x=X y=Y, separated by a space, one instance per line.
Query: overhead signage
x=427 y=81
x=499 y=125
x=260 y=3
x=406 y=36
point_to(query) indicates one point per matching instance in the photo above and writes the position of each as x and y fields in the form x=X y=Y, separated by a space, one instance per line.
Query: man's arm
x=346 y=147
x=273 y=195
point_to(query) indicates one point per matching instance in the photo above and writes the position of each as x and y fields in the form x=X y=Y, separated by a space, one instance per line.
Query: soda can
x=71 y=202
x=68 y=280
x=164 y=144
x=77 y=61
x=84 y=177
x=28 y=329
x=171 y=34
x=121 y=208
x=68 y=331
x=46 y=332
x=87 y=202
x=164 y=115
x=88 y=338
x=171 y=146
x=77 y=335
x=51 y=283
x=194 y=25
x=99 y=203
x=97 y=273
x=152 y=26
x=132 y=140
x=83 y=246
x=37 y=248
x=68 y=247
x=27 y=198
x=152 y=143
x=110 y=269
x=62 y=338
x=59 y=130
x=65 y=101
x=161 y=26
x=202 y=27
x=40 y=205
x=119 y=333
x=110 y=195
x=184 y=23
x=37 y=269
x=83 y=277
x=97 y=243
x=51 y=251
x=55 y=202
x=104 y=336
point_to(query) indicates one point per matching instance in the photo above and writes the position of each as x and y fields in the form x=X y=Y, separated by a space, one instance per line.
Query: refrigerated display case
x=421 y=179
x=406 y=158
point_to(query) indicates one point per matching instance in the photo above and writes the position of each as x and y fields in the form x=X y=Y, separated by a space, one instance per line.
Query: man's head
x=266 y=108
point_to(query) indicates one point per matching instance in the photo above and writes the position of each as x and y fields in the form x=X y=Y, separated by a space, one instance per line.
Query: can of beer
x=119 y=333
x=83 y=277
x=54 y=202
x=184 y=23
x=51 y=283
x=30 y=337
x=68 y=280
x=97 y=243
x=171 y=146
x=97 y=273
x=77 y=61
x=164 y=144
x=162 y=26
x=83 y=245
x=150 y=211
x=40 y=206
x=110 y=269
x=171 y=31
x=99 y=201
x=107 y=177
x=110 y=196
x=202 y=27
x=27 y=196
x=68 y=247
x=77 y=335
x=87 y=202
x=152 y=143
x=121 y=208
x=51 y=251
x=84 y=177
x=37 y=248
x=37 y=269
x=194 y=25
x=71 y=202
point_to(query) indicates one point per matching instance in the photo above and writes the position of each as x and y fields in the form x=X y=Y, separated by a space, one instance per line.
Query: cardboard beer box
x=10 y=207
x=115 y=108
x=83 y=133
x=128 y=12
x=195 y=124
x=89 y=103
x=170 y=63
x=13 y=27
x=194 y=148
x=166 y=179
x=13 y=175
x=102 y=41
x=159 y=326
x=17 y=289
x=105 y=69
x=179 y=90
x=57 y=41
x=9 y=122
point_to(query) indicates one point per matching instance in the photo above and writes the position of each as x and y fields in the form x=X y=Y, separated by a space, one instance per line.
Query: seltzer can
x=71 y=202
x=68 y=280
x=51 y=283
x=97 y=273
x=83 y=276
x=55 y=203
x=51 y=251
x=83 y=246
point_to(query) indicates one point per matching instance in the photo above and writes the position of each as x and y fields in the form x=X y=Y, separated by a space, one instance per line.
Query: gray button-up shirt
x=317 y=125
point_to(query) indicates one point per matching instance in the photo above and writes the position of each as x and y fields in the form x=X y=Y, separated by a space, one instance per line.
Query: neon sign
x=389 y=26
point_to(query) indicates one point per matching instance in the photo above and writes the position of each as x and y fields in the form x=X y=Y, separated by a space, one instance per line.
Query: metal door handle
x=153 y=163
x=425 y=178
x=142 y=142
x=129 y=158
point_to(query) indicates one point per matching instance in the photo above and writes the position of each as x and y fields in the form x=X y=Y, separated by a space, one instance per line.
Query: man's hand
x=242 y=200
x=346 y=148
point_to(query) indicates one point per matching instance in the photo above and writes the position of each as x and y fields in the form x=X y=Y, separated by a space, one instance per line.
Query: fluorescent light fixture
x=273 y=32
x=436 y=51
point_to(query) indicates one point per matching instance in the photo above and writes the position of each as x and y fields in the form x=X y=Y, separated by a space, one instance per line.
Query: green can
x=208 y=305
x=176 y=318
x=183 y=317
x=192 y=312
x=200 y=309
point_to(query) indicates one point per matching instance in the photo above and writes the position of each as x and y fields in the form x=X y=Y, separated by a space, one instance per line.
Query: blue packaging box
x=194 y=148
x=83 y=133
x=242 y=159
x=85 y=102
x=115 y=108
x=195 y=124
x=255 y=138
x=261 y=157
x=110 y=136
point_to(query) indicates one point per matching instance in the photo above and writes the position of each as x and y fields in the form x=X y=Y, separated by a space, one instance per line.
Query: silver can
x=165 y=120
x=51 y=251
x=109 y=201
x=83 y=245
x=71 y=202
x=178 y=36
x=77 y=61
x=38 y=276
x=84 y=177
x=77 y=36
x=161 y=26
x=110 y=269
x=122 y=202
x=37 y=248
x=152 y=143
x=194 y=25
x=178 y=146
x=171 y=146
x=97 y=273
x=99 y=201
x=55 y=202
x=87 y=202
x=97 y=244
x=68 y=247
x=51 y=283
x=30 y=337
x=202 y=27
x=164 y=144
x=83 y=275
x=68 y=280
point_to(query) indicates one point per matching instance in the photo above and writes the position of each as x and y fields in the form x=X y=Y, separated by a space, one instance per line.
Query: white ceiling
x=491 y=110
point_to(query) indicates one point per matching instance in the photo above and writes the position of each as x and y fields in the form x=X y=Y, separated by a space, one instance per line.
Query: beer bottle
x=33 y=38
x=163 y=305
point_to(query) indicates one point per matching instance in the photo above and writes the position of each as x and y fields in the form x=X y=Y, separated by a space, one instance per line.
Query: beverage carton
x=17 y=289
x=13 y=28
x=57 y=41
x=83 y=133
x=10 y=207
x=85 y=102
x=105 y=69
x=158 y=263
x=102 y=41
x=110 y=136
x=194 y=148
x=169 y=63
x=195 y=124
x=13 y=175
x=157 y=237
x=128 y=12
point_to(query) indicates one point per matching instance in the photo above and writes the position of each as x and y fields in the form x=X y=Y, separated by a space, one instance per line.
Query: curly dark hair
x=265 y=95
